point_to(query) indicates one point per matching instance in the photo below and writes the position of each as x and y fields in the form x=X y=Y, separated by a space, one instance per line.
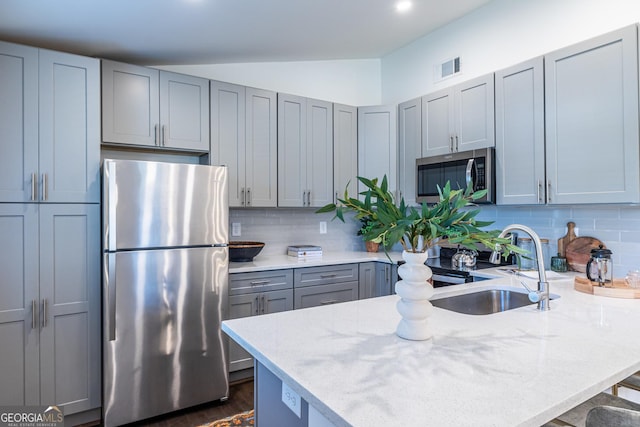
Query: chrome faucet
x=541 y=296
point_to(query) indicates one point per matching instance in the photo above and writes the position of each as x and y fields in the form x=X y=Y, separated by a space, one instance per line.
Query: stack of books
x=304 y=251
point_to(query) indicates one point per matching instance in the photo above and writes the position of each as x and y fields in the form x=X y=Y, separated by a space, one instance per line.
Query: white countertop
x=277 y=262
x=519 y=367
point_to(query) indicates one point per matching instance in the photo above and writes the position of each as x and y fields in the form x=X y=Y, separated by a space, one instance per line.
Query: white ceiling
x=224 y=31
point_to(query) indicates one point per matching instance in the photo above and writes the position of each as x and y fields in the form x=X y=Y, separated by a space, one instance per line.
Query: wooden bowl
x=240 y=251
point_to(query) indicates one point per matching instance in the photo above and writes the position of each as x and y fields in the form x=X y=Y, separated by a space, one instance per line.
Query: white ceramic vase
x=414 y=291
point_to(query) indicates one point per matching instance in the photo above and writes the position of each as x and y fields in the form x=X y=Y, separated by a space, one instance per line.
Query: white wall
x=503 y=33
x=500 y=34
x=351 y=82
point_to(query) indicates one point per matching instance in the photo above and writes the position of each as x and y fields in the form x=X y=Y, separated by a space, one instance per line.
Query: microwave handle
x=469 y=172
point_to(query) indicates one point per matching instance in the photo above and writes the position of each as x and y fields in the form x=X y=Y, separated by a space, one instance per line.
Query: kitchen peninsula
x=519 y=367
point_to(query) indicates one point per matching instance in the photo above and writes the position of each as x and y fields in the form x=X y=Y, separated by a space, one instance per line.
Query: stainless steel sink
x=484 y=302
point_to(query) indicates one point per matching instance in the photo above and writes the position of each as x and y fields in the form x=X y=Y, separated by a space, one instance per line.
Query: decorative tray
x=620 y=289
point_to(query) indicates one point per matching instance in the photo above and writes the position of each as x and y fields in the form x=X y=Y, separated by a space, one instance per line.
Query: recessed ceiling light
x=403 y=5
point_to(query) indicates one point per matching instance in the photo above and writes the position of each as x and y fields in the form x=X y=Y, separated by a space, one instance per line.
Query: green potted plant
x=366 y=225
x=416 y=229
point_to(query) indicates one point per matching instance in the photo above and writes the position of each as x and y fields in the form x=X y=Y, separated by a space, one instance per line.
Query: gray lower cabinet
x=50 y=305
x=377 y=279
x=253 y=294
x=314 y=286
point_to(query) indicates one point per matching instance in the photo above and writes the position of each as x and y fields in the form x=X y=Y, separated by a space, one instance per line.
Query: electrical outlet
x=291 y=399
x=323 y=227
x=236 y=229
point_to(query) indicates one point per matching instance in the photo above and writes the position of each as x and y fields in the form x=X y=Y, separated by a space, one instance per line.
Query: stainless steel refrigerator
x=165 y=237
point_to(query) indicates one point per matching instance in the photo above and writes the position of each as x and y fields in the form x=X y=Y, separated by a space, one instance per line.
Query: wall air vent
x=448 y=68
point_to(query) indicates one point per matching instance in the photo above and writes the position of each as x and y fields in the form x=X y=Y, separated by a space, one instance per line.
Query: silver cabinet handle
x=248 y=196
x=45 y=187
x=336 y=199
x=328 y=276
x=304 y=198
x=164 y=131
x=155 y=134
x=549 y=190
x=451 y=143
x=242 y=197
x=331 y=301
x=540 y=191
x=457 y=145
x=44 y=312
x=259 y=282
x=257 y=306
x=263 y=305
x=34 y=309
x=34 y=187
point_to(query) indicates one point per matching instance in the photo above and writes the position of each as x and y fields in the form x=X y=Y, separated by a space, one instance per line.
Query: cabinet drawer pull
x=451 y=143
x=248 y=196
x=259 y=282
x=457 y=144
x=331 y=301
x=155 y=134
x=549 y=190
x=257 y=306
x=164 y=139
x=242 y=199
x=328 y=276
x=263 y=305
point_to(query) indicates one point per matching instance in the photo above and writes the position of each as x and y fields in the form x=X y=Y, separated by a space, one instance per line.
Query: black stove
x=445 y=275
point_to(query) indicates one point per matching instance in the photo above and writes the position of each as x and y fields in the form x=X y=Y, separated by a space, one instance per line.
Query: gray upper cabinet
x=243 y=137
x=409 y=147
x=591 y=95
x=305 y=152
x=520 y=160
x=147 y=107
x=377 y=145
x=345 y=149
x=459 y=118
x=50 y=305
x=51 y=144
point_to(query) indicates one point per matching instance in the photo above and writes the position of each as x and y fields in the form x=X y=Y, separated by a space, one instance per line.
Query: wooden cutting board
x=578 y=252
x=567 y=238
x=618 y=289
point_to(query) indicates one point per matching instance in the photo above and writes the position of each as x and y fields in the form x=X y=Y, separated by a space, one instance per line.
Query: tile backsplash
x=617 y=226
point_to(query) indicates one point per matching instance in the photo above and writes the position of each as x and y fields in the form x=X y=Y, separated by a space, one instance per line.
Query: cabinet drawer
x=262 y=281
x=314 y=296
x=311 y=276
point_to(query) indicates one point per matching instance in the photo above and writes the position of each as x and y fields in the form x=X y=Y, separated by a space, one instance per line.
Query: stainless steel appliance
x=165 y=236
x=475 y=168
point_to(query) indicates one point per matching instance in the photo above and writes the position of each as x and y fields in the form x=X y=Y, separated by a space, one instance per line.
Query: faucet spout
x=543 y=285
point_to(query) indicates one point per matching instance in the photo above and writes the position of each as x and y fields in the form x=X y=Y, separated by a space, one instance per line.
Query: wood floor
x=240 y=400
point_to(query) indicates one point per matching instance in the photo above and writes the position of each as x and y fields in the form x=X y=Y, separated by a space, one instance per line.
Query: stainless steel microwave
x=475 y=168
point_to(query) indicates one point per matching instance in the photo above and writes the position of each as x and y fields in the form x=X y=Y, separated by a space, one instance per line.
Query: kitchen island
x=519 y=367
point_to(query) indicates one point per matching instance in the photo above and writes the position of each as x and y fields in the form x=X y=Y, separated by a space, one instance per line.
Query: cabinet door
x=437 y=123
x=384 y=284
x=261 y=149
x=130 y=105
x=292 y=150
x=377 y=144
x=184 y=112
x=276 y=301
x=228 y=136
x=319 y=158
x=474 y=114
x=19 y=305
x=409 y=147
x=367 y=280
x=241 y=306
x=520 y=134
x=591 y=93
x=313 y=296
x=345 y=149
x=69 y=128
x=18 y=123
x=70 y=306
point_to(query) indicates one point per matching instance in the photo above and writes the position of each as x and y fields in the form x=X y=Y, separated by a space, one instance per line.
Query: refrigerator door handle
x=110 y=285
